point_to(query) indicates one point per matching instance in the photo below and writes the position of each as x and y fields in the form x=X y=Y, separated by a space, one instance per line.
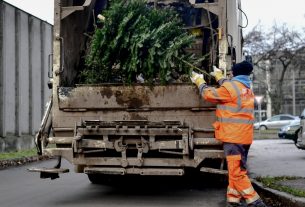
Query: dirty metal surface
x=139 y=171
x=148 y=162
x=64 y=122
x=49 y=170
x=130 y=97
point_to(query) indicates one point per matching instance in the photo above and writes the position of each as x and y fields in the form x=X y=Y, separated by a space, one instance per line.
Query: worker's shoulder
x=227 y=84
x=232 y=84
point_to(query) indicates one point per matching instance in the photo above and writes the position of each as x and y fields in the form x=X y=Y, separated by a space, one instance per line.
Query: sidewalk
x=275 y=158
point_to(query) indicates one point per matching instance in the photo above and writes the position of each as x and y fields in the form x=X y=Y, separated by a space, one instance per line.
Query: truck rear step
x=49 y=172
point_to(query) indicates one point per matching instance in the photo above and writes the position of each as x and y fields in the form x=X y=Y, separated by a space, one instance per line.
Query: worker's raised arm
x=216 y=95
x=211 y=94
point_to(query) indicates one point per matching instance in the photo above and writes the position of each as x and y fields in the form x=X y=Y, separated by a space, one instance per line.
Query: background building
x=25 y=46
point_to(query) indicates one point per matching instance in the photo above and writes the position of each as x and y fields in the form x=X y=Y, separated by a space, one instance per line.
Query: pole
x=293 y=93
x=155 y=4
x=259 y=118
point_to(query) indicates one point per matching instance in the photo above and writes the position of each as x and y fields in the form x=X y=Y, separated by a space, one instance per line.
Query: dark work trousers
x=237 y=149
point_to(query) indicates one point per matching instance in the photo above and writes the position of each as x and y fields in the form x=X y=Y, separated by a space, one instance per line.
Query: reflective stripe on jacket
x=235 y=108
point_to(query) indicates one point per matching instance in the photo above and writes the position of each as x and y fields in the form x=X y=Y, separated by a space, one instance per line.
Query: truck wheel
x=94 y=178
x=101 y=179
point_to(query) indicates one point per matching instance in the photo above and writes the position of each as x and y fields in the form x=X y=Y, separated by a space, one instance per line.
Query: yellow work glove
x=101 y=18
x=217 y=73
x=197 y=79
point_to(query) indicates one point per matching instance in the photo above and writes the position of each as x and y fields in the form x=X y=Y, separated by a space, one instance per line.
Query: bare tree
x=281 y=47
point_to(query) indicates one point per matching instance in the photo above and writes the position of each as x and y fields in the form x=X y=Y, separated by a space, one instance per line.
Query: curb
x=278 y=197
x=21 y=161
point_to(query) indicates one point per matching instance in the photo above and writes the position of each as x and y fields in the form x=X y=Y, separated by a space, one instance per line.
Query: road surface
x=276 y=157
x=21 y=188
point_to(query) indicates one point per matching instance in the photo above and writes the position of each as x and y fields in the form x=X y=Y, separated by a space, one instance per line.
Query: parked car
x=300 y=142
x=290 y=131
x=276 y=122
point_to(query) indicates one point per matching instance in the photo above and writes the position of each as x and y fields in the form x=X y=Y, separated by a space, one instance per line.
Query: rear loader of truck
x=120 y=129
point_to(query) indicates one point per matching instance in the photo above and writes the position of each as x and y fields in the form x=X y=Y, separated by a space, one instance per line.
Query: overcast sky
x=291 y=12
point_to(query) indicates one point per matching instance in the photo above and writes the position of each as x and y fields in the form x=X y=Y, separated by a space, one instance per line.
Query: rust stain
x=107 y=91
x=136 y=116
x=132 y=97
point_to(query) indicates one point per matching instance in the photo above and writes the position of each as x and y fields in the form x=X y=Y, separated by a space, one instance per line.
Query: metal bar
x=66 y=11
x=203 y=129
x=104 y=170
x=85 y=143
x=49 y=170
x=159 y=145
x=147 y=162
x=206 y=141
x=126 y=108
x=202 y=154
x=94 y=151
x=132 y=132
x=214 y=171
x=212 y=7
x=60 y=140
x=139 y=171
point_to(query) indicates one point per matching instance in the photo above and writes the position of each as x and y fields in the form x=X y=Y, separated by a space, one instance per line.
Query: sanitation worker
x=234 y=127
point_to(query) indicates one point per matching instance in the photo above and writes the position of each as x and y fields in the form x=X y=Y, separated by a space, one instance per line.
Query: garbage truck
x=117 y=129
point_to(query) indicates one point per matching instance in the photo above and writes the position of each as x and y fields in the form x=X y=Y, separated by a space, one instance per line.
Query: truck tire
x=100 y=179
x=94 y=178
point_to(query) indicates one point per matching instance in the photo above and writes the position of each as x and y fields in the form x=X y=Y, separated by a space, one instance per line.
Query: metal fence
x=25 y=44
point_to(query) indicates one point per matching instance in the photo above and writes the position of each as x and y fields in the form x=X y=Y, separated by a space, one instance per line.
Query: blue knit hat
x=242 y=68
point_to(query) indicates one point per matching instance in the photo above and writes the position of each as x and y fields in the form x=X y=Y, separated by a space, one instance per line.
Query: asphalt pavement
x=20 y=188
x=274 y=158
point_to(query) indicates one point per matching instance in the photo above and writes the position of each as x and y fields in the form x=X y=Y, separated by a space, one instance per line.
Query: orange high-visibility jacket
x=235 y=107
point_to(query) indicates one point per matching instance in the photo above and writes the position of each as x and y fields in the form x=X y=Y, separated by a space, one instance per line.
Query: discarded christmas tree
x=137 y=39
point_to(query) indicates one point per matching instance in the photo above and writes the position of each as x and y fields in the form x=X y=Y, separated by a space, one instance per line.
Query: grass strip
x=274 y=183
x=18 y=154
x=268 y=131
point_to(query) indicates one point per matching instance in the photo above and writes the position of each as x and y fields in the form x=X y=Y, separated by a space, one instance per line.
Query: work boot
x=257 y=203
x=231 y=204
